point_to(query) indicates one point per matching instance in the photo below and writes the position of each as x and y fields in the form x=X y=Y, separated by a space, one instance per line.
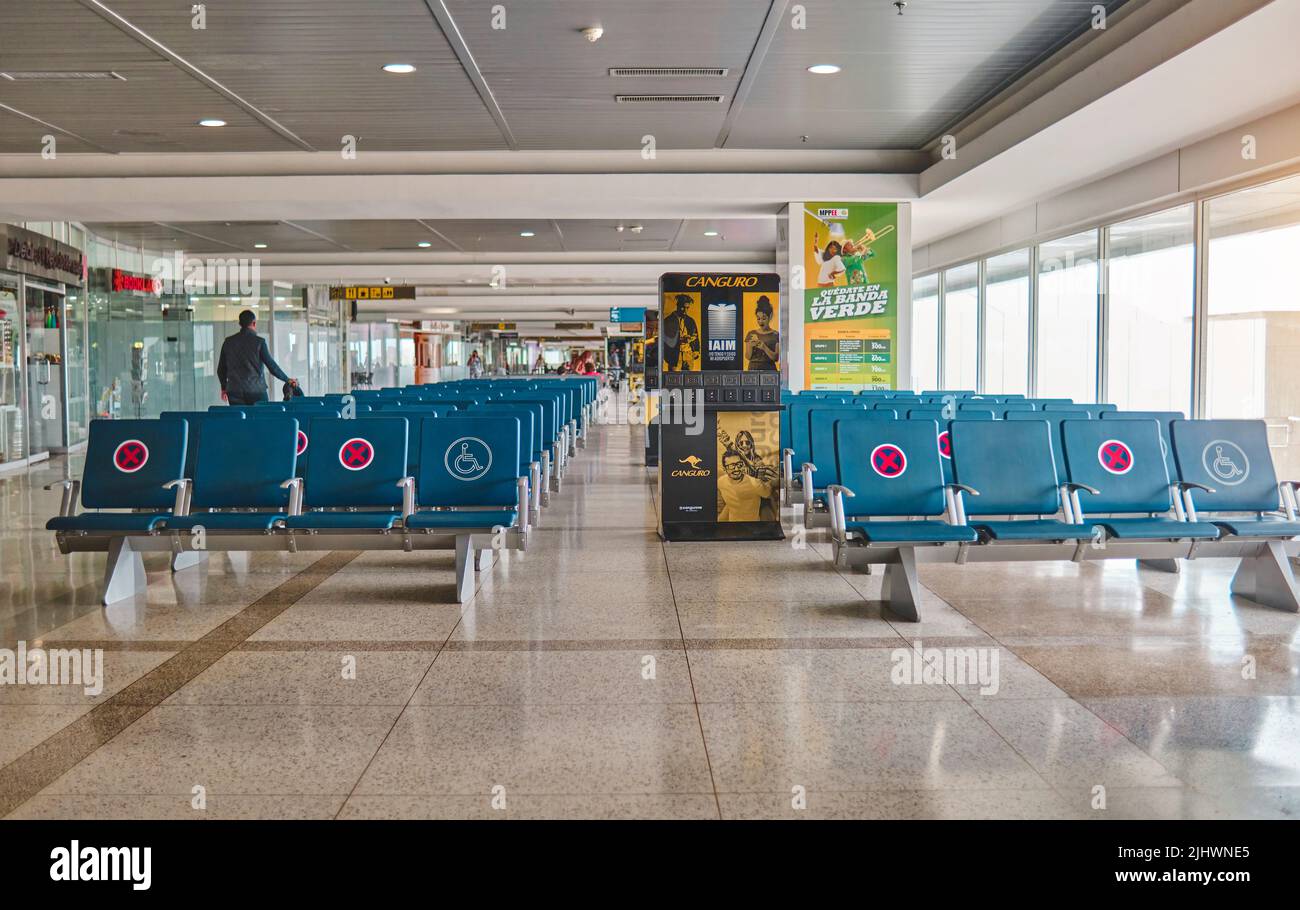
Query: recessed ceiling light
x=399 y=68
x=823 y=69
x=424 y=244
x=259 y=246
x=710 y=233
x=527 y=234
x=211 y=121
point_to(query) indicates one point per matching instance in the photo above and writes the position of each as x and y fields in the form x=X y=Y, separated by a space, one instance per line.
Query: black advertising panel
x=719 y=350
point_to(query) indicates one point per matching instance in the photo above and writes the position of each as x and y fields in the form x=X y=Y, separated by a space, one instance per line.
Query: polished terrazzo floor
x=607 y=674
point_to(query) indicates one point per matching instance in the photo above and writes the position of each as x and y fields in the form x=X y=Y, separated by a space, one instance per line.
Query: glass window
x=1006 y=323
x=925 y=335
x=1067 y=318
x=1253 y=302
x=961 y=313
x=1151 y=280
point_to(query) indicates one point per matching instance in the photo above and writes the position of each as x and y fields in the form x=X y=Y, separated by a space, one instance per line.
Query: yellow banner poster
x=679 y=331
x=748 y=479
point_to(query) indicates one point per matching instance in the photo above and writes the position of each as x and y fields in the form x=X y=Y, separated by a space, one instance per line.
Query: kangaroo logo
x=468 y=458
x=1225 y=461
x=692 y=460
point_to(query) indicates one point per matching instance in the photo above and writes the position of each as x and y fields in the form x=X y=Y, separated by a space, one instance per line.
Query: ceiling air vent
x=58 y=76
x=675 y=72
x=669 y=99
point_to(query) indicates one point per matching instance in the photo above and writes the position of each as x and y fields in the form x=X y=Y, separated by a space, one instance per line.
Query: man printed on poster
x=741 y=496
x=747 y=487
x=680 y=336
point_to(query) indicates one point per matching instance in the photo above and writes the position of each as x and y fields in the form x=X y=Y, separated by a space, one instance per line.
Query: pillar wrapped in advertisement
x=720 y=358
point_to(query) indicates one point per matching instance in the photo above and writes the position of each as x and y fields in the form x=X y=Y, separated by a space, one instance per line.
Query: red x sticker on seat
x=1115 y=457
x=945 y=444
x=302 y=442
x=130 y=456
x=356 y=454
x=888 y=460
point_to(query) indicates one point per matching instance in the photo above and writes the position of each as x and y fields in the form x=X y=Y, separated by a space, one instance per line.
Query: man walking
x=240 y=367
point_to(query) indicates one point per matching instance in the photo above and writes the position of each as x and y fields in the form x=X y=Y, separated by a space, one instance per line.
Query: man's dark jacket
x=240 y=367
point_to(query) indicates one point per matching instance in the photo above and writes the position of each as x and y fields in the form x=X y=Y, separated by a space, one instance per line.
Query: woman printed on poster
x=831 y=265
x=762 y=344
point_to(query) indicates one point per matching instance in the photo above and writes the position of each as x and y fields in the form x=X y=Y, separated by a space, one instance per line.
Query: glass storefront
x=13 y=426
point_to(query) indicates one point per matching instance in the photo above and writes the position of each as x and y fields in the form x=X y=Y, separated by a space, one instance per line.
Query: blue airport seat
x=1164 y=419
x=1232 y=459
x=357 y=465
x=823 y=465
x=892 y=469
x=1011 y=465
x=1019 y=405
x=468 y=463
x=129 y=464
x=246 y=466
x=1124 y=463
x=1053 y=421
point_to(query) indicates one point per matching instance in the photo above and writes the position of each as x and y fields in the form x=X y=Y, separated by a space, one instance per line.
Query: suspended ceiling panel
x=904 y=78
x=554 y=86
x=314 y=67
x=485 y=236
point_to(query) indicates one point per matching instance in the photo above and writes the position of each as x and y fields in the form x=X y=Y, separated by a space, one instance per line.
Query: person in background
x=239 y=368
x=475 y=365
x=539 y=365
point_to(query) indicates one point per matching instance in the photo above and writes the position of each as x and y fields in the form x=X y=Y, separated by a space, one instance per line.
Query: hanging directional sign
x=627 y=314
x=356 y=454
x=888 y=461
x=1115 y=457
x=130 y=456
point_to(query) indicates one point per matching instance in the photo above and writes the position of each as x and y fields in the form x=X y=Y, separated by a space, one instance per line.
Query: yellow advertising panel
x=679 y=331
x=762 y=347
x=748 y=476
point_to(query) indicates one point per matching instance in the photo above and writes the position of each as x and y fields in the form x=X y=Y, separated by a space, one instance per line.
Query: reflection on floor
x=606 y=674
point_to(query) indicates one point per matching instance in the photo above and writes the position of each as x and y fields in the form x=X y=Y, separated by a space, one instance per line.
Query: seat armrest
x=1073 y=486
x=294 y=486
x=835 y=494
x=408 y=496
x=952 y=494
x=181 y=505
x=1290 y=502
x=71 y=489
x=787 y=465
x=522 y=484
x=1189 y=507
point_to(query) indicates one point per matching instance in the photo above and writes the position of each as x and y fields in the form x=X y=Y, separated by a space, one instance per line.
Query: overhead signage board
x=35 y=254
x=372 y=292
x=627 y=314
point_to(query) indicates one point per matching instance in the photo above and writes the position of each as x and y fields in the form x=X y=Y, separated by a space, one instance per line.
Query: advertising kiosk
x=719 y=351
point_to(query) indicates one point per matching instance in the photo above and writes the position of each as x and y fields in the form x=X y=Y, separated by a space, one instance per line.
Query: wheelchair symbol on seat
x=468 y=458
x=1225 y=462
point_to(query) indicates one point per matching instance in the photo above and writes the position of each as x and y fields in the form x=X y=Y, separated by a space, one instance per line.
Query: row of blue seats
x=800 y=419
x=405 y=474
x=1006 y=491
